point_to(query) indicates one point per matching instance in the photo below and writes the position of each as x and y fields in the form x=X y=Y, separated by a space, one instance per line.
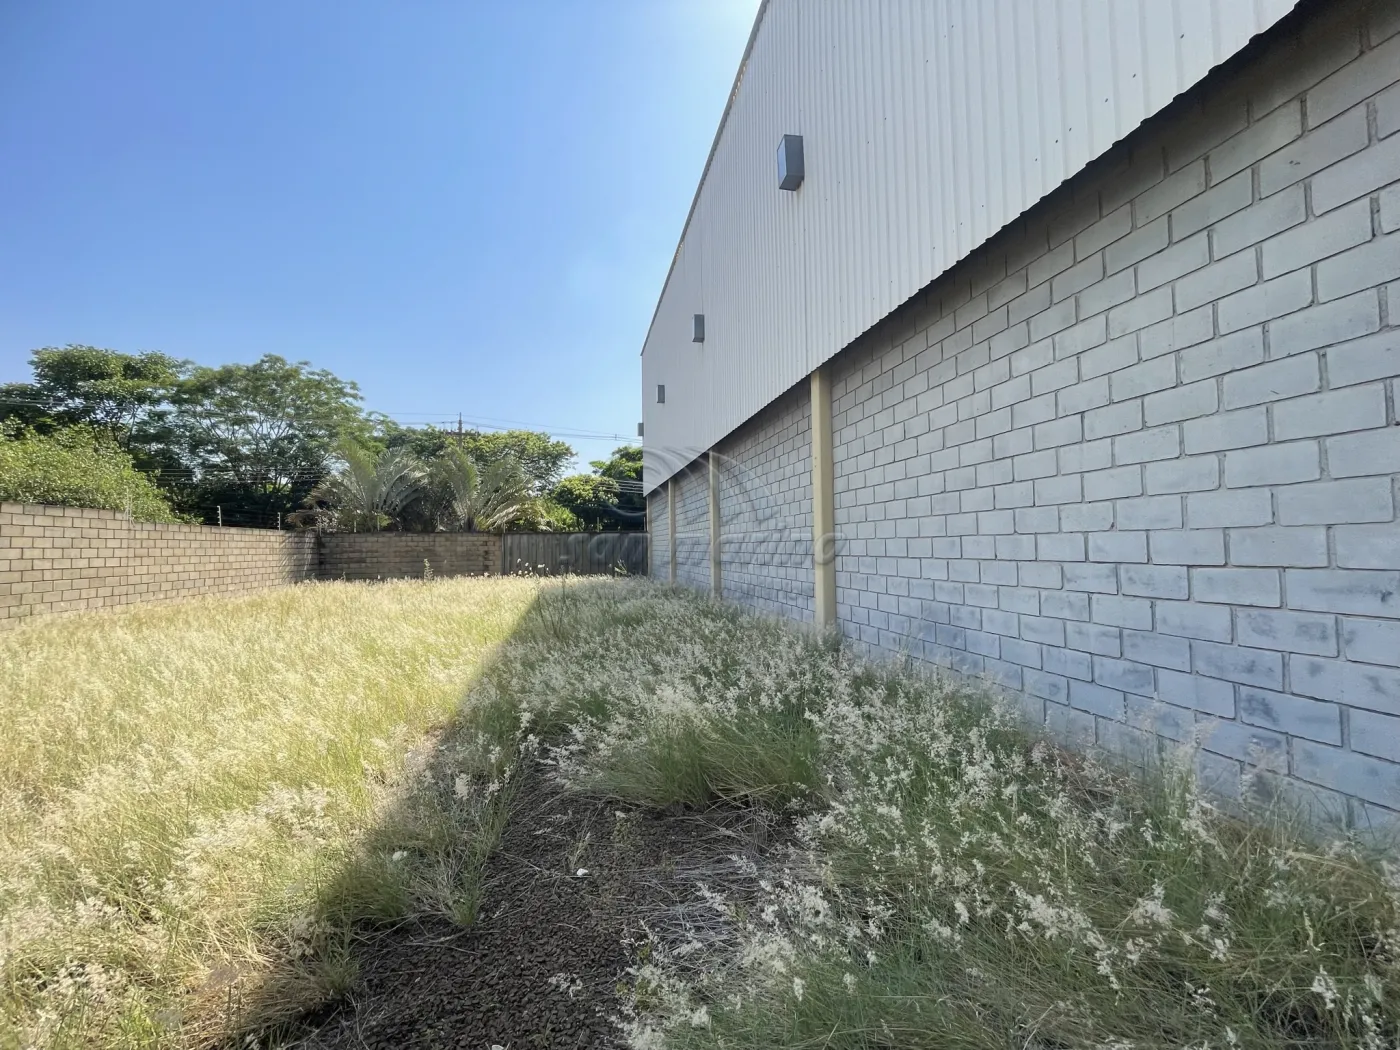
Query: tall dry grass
x=962 y=882
x=197 y=801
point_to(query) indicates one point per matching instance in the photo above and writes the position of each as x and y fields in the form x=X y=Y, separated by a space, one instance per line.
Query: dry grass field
x=204 y=805
x=181 y=786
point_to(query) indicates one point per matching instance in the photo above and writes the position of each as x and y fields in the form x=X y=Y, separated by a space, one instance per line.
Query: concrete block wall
x=66 y=559
x=1139 y=458
x=659 y=528
x=402 y=555
x=693 y=525
x=766 y=508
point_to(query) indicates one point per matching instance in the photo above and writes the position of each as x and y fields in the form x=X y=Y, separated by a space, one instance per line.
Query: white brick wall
x=1138 y=457
x=660 y=528
x=766 y=508
x=693 y=526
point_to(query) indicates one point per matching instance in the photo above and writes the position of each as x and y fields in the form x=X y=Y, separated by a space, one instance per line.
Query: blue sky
x=465 y=206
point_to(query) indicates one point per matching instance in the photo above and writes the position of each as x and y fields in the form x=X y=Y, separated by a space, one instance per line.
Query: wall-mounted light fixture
x=790 y=163
x=660 y=393
x=698 y=333
x=639 y=429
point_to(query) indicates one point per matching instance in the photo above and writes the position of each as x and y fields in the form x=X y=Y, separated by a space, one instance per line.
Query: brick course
x=65 y=559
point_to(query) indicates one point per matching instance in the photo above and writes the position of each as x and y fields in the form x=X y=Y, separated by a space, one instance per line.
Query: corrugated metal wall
x=928 y=125
x=580 y=553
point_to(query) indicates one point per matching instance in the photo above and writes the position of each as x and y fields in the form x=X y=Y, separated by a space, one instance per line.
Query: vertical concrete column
x=823 y=503
x=716 y=584
x=671 y=526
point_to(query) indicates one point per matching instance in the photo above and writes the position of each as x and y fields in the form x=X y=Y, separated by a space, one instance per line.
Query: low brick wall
x=63 y=559
x=395 y=555
x=66 y=559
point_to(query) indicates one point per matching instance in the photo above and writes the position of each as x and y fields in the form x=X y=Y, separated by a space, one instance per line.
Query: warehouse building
x=1057 y=343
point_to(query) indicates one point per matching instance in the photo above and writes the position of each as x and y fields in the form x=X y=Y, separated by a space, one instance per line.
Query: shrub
x=76 y=468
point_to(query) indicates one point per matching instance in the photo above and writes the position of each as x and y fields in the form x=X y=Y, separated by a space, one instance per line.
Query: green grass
x=203 y=802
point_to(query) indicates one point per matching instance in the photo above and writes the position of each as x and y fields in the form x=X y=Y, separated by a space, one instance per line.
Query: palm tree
x=371 y=491
x=476 y=498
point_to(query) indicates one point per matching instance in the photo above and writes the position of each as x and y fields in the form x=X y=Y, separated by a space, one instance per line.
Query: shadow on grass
x=489 y=906
x=420 y=866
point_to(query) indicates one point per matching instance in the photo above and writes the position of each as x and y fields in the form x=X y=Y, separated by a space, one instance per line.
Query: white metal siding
x=928 y=125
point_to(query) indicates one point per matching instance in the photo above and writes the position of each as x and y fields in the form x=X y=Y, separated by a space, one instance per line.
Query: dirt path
x=541 y=967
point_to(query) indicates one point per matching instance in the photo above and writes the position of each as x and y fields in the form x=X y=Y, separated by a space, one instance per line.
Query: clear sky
x=465 y=206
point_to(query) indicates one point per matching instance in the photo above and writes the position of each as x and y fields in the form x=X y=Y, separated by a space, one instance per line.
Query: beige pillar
x=671 y=525
x=716 y=585
x=823 y=503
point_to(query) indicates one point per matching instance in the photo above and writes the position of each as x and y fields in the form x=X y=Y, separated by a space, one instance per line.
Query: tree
x=590 y=498
x=541 y=458
x=625 y=467
x=369 y=490
x=111 y=392
x=256 y=439
x=76 y=467
x=543 y=514
x=426 y=442
x=479 y=498
x=611 y=497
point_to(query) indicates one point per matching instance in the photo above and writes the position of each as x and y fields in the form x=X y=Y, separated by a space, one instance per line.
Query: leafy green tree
x=76 y=467
x=611 y=497
x=543 y=514
x=625 y=468
x=590 y=498
x=625 y=464
x=541 y=458
x=256 y=438
x=426 y=442
x=111 y=392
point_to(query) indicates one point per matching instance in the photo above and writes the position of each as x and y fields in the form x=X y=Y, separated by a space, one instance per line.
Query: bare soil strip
x=577 y=888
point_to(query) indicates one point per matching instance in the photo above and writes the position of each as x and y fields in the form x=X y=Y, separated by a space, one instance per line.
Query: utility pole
x=459 y=430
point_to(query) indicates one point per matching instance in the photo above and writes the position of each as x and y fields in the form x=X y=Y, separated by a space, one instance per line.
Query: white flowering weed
x=963 y=883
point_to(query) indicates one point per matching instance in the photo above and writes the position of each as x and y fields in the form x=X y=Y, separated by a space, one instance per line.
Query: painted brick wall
x=397 y=555
x=63 y=559
x=1138 y=457
x=693 y=526
x=659 y=529
x=766 y=508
